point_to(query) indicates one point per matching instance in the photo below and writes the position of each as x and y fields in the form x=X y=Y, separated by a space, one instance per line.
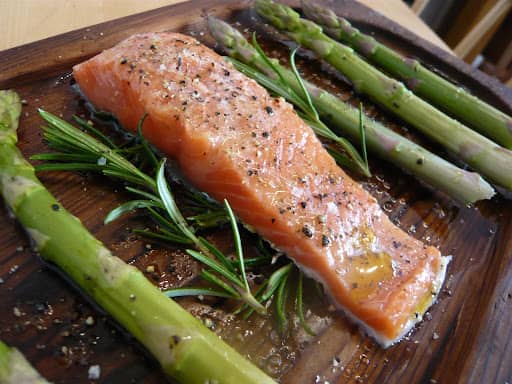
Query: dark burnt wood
x=465 y=337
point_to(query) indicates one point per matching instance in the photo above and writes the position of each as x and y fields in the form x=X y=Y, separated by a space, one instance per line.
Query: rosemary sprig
x=67 y=139
x=278 y=84
x=228 y=278
x=87 y=153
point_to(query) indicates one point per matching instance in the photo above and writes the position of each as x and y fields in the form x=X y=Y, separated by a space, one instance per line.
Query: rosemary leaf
x=238 y=245
x=275 y=280
x=214 y=251
x=165 y=224
x=170 y=204
x=67 y=167
x=129 y=206
x=142 y=193
x=191 y=291
x=64 y=157
x=217 y=267
x=147 y=150
x=300 y=311
x=245 y=308
x=208 y=276
x=90 y=128
x=210 y=219
x=282 y=293
x=305 y=94
x=255 y=261
x=268 y=61
x=164 y=236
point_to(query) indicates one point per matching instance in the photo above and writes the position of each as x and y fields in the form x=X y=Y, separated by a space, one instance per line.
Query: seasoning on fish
x=234 y=141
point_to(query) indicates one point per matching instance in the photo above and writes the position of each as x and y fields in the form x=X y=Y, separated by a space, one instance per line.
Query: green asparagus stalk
x=489 y=159
x=466 y=187
x=187 y=350
x=15 y=369
x=453 y=99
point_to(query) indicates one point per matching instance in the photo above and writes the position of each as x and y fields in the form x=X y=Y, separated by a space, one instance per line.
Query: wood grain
x=465 y=337
x=26 y=21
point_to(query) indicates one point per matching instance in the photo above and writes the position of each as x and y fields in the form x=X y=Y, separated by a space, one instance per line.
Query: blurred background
x=478 y=31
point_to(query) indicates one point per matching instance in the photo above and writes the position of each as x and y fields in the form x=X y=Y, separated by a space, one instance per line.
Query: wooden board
x=465 y=337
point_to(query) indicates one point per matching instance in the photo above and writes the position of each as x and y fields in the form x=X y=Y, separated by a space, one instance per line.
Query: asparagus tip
x=277 y=13
x=220 y=31
x=322 y=14
x=230 y=39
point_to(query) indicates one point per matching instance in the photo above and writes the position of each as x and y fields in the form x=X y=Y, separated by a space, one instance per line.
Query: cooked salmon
x=236 y=142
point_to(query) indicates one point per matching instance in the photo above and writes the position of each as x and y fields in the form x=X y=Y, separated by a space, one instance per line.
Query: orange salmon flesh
x=235 y=142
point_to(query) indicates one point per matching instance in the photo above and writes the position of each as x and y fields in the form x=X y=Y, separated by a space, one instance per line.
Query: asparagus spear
x=186 y=349
x=15 y=369
x=447 y=96
x=462 y=185
x=489 y=159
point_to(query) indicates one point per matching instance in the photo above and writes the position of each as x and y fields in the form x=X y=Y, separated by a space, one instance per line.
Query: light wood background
x=25 y=21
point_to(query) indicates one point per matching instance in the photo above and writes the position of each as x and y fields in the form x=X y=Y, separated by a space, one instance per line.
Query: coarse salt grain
x=94 y=372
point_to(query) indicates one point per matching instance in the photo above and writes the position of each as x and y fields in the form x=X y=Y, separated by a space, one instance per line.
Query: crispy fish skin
x=234 y=141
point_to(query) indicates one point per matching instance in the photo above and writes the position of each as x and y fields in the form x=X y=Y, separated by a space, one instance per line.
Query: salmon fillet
x=233 y=141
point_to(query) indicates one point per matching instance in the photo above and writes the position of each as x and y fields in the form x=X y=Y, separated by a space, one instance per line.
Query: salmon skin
x=234 y=141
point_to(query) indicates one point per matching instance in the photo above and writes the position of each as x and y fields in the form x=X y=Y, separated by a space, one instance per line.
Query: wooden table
x=24 y=21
